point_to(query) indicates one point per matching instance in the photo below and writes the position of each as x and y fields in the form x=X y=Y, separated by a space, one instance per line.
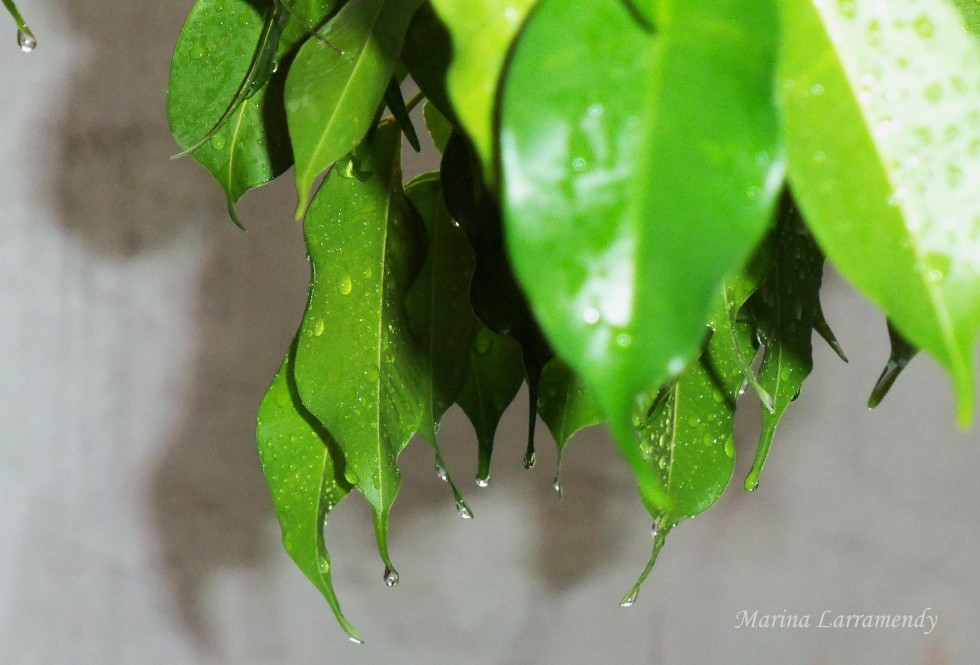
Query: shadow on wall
x=119 y=193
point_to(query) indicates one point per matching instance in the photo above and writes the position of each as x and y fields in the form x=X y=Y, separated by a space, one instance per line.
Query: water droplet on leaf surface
x=390 y=577
x=26 y=41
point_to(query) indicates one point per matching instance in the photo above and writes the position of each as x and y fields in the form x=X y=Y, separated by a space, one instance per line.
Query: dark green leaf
x=566 y=406
x=880 y=104
x=495 y=375
x=632 y=188
x=786 y=309
x=306 y=17
x=336 y=83
x=901 y=354
x=222 y=48
x=304 y=470
x=440 y=129
x=497 y=299
x=396 y=104
x=427 y=54
x=358 y=368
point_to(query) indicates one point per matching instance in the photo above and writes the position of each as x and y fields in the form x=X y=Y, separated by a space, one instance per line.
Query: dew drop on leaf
x=345 y=285
x=390 y=577
x=26 y=41
x=483 y=482
x=630 y=599
x=441 y=472
x=464 y=510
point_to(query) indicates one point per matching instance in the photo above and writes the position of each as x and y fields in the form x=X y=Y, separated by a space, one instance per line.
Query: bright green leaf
x=304 y=470
x=883 y=129
x=336 y=83
x=358 y=368
x=632 y=188
x=25 y=38
x=901 y=354
x=482 y=32
x=495 y=375
x=211 y=95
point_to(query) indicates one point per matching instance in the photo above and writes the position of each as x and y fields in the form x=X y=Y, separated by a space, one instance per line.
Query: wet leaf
x=901 y=354
x=495 y=375
x=634 y=187
x=25 y=38
x=304 y=470
x=566 y=406
x=306 y=17
x=786 y=310
x=358 y=368
x=482 y=32
x=497 y=298
x=217 y=92
x=880 y=103
x=336 y=84
x=440 y=129
x=439 y=309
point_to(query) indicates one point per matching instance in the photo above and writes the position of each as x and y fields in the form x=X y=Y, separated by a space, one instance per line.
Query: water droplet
x=464 y=510
x=344 y=285
x=557 y=486
x=483 y=482
x=934 y=92
x=675 y=365
x=816 y=89
x=391 y=577
x=318 y=328
x=367 y=272
x=662 y=462
x=218 y=142
x=579 y=164
x=595 y=110
x=355 y=640
x=483 y=342
x=873 y=33
x=847 y=8
x=819 y=156
x=753 y=193
x=441 y=471
x=730 y=447
x=655 y=529
x=954 y=175
x=26 y=41
x=630 y=599
x=924 y=26
x=623 y=340
x=530 y=459
x=371 y=373
x=591 y=316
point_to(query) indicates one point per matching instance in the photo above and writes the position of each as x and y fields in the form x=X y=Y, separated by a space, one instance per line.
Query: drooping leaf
x=304 y=470
x=880 y=102
x=336 y=83
x=497 y=298
x=224 y=49
x=566 y=406
x=634 y=187
x=822 y=328
x=482 y=32
x=495 y=375
x=786 y=309
x=25 y=38
x=396 y=104
x=901 y=354
x=439 y=309
x=358 y=368
x=688 y=440
x=440 y=129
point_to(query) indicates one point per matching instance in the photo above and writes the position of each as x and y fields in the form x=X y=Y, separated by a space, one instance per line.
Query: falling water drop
x=25 y=40
x=390 y=577
x=464 y=510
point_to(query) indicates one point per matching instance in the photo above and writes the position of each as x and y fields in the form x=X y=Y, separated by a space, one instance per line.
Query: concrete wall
x=139 y=329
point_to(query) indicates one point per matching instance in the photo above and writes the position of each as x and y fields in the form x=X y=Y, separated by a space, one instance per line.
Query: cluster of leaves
x=631 y=216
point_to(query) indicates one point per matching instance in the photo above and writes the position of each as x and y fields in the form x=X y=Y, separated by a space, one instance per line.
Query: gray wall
x=139 y=329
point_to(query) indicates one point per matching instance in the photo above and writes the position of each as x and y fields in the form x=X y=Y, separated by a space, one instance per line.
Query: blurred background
x=139 y=330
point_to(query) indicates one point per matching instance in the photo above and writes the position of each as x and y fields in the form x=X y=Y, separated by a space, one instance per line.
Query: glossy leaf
x=440 y=129
x=497 y=299
x=306 y=17
x=304 y=470
x=358 y=368
x=427 y=53
x=634 y=187
x=336 y=83
x=211 y=95
x=566 y=406
x=439 y=310
x=880 y=103
x=786 y=310
x=482 y=32
x=396 y=104
x=688 y=440
x=495 y=375
x=901 y=354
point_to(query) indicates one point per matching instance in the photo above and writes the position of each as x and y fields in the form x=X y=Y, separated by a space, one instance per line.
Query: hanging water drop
x=529 y=460
x=355 y=640
x=483 y=482
x=464 y=510
x=441 y=471
x=25 y=40
x=630 y=599
x=390 y=577
x=558 y=487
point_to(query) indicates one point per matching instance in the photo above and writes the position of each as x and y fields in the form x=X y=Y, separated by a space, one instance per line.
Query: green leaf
x=427 y=53
x=440 y=129
x=482 y=32
x=880 y=103
x=901 y=354
x=497 y=299
x=688 y=440
x=358 y=368
x=439 y=309
x=336 y=84
x=634 y=187
x=396 y=104
x=566 y=406
x=25 y=38
x=305 y=18
x=495 y=375
x=222 y=47
x=786 y=310
x=304 y=470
